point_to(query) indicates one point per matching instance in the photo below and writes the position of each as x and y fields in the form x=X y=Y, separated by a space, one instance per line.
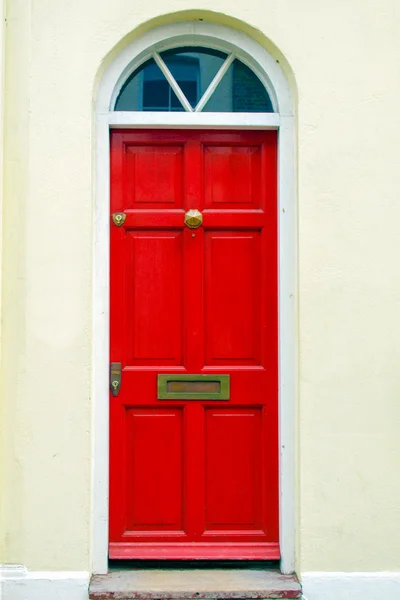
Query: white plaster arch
x=195 y=33
x=270 y=73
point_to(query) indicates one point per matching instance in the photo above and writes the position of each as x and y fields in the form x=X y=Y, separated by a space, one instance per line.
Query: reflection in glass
x=193 y=68
x=240 y=90
x=147 y=89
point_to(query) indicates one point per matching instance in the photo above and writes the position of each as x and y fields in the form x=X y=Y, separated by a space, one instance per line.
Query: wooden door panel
x=155 y=469
x=153 y=176
x=194 y=478
x=232 y=289
x=154 y=290
x=232 y=176
x=233 y=456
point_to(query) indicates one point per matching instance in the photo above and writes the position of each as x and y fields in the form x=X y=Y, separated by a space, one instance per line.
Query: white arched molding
x=270 y=73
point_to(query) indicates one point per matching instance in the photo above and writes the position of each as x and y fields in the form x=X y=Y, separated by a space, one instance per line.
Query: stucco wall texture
x=344 y=59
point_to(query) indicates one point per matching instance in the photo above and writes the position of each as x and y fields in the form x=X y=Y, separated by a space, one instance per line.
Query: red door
x=194 y=460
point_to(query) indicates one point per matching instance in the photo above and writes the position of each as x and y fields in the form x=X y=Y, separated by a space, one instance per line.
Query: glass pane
x=155 y=94
x=147 y=89
x=193 y=68
x=240 y=90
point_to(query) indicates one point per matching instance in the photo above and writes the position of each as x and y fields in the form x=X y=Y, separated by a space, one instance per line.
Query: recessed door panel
x=233 y=459
x=193 y=339
x=232 y=289
x=232 y=176
x=155 y=469
x=153 y=176
x=154 y=324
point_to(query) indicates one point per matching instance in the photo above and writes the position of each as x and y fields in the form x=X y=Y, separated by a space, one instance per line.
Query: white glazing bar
x=172 y=82
x=213 y=85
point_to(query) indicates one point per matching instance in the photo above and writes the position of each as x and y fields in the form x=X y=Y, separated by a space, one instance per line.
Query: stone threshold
x=174 y=584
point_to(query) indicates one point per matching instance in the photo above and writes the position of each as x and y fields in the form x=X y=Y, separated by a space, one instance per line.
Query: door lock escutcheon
x=115 y=377
x=118 y=218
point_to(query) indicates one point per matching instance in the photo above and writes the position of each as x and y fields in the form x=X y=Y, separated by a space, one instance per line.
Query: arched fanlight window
x=193 y=79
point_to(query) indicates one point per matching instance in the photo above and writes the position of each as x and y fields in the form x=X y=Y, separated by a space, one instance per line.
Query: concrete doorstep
x=193 y=583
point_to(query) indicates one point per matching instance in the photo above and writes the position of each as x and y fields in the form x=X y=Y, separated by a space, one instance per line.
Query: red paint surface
x=194 y=479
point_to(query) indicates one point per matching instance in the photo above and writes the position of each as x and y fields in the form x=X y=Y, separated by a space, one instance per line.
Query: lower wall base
x=17 y=583
x=350 y=586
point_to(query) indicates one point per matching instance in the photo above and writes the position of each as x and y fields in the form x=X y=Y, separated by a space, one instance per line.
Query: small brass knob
x=193 y=218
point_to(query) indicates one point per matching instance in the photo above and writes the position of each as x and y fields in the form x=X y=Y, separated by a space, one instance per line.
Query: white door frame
x=268 y=70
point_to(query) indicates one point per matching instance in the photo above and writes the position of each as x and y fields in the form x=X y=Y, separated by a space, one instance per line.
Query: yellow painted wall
x=345 y=58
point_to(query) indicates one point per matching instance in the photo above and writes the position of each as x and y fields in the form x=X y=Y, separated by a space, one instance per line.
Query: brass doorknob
x=193 y=218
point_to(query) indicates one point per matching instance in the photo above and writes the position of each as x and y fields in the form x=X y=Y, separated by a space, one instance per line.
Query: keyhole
x=114 y=385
